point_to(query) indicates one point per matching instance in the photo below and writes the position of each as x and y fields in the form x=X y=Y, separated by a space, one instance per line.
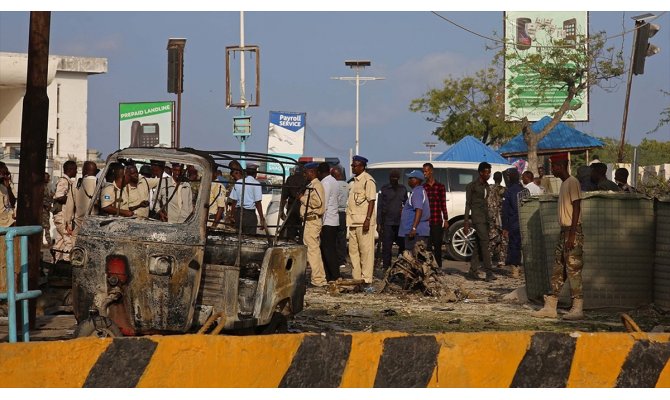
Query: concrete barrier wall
x=386 y=359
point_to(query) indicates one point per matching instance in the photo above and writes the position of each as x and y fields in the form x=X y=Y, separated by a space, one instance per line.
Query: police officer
x=46 y=208
x=360 y=209
x=312 y=209
x=63 y=219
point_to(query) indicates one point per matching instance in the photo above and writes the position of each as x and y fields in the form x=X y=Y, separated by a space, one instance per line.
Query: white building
x=68 y=107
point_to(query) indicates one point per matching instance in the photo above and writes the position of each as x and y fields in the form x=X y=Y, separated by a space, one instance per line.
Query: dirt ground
x=480 y=308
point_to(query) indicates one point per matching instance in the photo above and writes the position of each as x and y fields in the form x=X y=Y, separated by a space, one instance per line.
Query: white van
x=455 y=176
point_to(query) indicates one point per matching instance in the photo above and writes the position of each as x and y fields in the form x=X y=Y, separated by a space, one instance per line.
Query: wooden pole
x=34 y=126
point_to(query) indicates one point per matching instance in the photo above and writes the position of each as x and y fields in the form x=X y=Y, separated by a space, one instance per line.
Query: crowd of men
x=335 y=218
x=318 y=195
x=160 y=191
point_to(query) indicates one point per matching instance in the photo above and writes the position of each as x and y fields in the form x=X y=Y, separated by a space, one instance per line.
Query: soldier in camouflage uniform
x=46 y=207
x=497 y=242
x=568 y=254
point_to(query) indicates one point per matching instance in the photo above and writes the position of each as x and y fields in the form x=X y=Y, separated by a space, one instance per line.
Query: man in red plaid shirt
x=439 y=221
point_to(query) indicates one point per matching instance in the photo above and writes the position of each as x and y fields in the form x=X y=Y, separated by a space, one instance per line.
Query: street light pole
x=358 y=93
x=357 y=65
x=430 y=146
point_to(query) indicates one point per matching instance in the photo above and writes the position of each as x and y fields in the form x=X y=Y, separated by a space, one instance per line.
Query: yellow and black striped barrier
x=385 y=359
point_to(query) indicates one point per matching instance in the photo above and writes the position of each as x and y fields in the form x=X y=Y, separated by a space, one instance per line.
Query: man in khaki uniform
x=63 y=216
x=113 y=199
x=360 y=208
x=175 y=198
x=47 y=201
x=83 y=193
x=312 y=209
x=7 y=198
x=217 y=200
x=138 y=191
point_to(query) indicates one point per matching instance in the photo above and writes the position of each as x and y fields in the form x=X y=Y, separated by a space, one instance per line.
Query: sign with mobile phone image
x=529 y=32
x=146 y=124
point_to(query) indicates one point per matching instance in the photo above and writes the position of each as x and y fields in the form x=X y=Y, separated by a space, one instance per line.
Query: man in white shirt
x=246 y=208
x=331 y=222
x=528 y=182
x=342 y=196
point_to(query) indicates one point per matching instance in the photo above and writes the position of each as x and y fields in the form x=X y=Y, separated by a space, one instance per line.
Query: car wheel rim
x=462 y=243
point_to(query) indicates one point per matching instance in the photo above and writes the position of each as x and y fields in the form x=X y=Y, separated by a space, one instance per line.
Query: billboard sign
x=146 y=124
x=526 y=33
x=286 y=136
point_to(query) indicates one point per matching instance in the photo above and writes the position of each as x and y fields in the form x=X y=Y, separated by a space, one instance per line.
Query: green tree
x=472 y=105
x=568 y=67
x=665 y=116
x=649 y=152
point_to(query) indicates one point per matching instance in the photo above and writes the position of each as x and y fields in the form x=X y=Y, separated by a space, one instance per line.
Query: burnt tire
x=100 y=327
x=459 y=247
x=278 y=324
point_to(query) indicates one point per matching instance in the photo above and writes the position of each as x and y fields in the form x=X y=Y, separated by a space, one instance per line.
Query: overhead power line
x=498 y=41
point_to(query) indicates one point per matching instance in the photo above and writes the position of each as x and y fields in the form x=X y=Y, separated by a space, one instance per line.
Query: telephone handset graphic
x=144 y=135
x=523 y=40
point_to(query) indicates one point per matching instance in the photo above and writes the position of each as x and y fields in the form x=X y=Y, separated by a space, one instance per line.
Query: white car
x=455 y=176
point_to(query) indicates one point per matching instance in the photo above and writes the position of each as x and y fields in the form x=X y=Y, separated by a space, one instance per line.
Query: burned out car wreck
x=147 y=274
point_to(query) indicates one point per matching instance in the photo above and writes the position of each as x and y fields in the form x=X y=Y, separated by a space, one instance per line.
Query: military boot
x=576 y=311
x=549 y=309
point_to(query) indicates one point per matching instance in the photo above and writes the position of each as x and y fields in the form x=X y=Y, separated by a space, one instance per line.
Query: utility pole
x=357 y=65
x=175 y=50
x=34 y=127
x=242 y=122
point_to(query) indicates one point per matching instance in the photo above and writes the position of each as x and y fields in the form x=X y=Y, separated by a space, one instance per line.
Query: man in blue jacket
x=510 y=218
x=414 y=226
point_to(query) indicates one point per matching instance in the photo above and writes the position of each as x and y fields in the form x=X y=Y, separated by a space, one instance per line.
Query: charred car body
x=136 y=276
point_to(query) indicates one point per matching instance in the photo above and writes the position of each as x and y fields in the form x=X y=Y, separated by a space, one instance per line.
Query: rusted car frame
x=143 y=276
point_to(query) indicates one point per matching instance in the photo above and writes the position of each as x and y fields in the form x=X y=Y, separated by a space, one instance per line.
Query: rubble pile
x=417 y=271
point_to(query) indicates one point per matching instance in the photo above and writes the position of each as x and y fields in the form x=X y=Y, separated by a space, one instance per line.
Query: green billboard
x=146 y=124
x=526 y=33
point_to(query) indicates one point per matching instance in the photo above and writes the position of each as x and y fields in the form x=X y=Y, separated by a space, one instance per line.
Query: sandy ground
x=480 y=308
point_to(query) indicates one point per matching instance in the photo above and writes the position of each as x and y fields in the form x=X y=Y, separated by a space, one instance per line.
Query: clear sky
x=300 y=51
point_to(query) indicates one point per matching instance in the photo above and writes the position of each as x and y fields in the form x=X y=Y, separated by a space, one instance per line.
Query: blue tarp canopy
x=473 y=150
x=562 y=138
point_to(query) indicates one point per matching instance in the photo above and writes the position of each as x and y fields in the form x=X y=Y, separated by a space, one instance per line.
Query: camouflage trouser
x=46 y=224
x=568 y=264
x=497 y=244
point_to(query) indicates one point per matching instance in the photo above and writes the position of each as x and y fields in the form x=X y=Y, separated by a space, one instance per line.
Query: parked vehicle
x=455 y=176
x=136 y=276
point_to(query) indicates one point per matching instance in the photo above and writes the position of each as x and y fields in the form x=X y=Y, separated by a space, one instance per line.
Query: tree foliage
x=664 y=117
x=569 y=66
x=472 y=105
